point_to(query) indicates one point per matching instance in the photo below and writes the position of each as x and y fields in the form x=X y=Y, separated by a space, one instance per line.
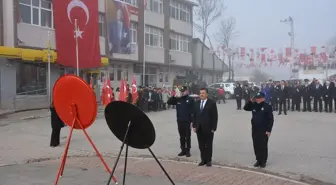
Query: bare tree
x=206 y=13
x=226 y=33
x=259 y=76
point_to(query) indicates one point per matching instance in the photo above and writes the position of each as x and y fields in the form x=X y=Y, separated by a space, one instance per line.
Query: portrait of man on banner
x=118 y=25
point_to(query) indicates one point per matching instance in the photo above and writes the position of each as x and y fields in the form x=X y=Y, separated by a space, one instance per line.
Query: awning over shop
x=34 y=55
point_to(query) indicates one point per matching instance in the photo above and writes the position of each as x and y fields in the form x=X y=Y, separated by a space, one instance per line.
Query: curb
x=301 y=181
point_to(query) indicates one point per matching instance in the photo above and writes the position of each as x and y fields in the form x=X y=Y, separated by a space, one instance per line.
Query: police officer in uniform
x=306 y=96
x=184 y=113
x=262 y=124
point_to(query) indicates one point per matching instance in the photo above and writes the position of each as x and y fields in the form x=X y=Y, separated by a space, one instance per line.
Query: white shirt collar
x=204 y=102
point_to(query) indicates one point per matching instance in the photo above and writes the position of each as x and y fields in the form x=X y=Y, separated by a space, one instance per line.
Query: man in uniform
x=306 y=96
x=262 y=124
x=282 y=97
x=184 y=113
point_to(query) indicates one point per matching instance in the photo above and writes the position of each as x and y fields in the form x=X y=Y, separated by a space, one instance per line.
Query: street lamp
x=290 y=22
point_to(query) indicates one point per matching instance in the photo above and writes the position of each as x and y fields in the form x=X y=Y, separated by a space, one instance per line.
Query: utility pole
x=290 y=22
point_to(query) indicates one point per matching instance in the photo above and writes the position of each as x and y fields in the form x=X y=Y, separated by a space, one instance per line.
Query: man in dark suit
x=205 y=119
x=282 y=97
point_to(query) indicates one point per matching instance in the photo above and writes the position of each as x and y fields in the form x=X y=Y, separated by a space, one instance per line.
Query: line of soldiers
x=283 y=96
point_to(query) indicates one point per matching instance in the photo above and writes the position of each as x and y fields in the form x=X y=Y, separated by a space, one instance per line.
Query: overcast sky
x=258 y=23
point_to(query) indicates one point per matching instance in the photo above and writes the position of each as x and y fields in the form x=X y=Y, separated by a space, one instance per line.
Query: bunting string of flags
x=281 y=57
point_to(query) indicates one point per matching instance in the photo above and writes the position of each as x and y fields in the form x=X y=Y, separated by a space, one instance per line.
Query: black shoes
x=202 y=163
x=181 y=153
x=258 y=164
x=208 y=164
x=184 y=153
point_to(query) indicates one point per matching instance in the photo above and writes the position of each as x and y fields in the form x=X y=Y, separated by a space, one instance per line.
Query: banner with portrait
x=118 y=18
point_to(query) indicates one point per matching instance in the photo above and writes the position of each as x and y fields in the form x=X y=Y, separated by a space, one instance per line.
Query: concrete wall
x=208 y=60
x=7 y=83
x=8 y=21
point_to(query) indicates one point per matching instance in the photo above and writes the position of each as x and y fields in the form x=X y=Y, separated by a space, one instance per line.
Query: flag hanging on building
x=66 y=12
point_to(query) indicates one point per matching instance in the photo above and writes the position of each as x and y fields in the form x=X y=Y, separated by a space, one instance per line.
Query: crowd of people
x=283 y=96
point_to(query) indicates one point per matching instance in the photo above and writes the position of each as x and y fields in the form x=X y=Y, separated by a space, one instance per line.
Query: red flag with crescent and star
x=85 y=13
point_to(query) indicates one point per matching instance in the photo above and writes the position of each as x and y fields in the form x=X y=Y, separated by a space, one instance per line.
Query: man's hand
x=268 y=134
x=194 y=129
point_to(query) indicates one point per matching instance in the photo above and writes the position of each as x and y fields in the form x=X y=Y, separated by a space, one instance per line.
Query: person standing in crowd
x=205 y=120
x=317 y=95
x=117 y=94
x=184 y=114
x=306 y=96
x=246 y=94
x=221 y=94
x=296 y=97
x=165 y=97
x=327 y=96
x=56 y=126
x=262 y=124
x=274 y=90
x=289 y=96
x=282 y=97
x=238 y=93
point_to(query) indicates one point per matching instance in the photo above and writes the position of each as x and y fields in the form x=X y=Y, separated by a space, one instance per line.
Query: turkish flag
x=123 y=91
x=87 y=33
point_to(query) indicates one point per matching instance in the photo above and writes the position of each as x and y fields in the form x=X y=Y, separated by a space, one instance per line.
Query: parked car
x=228 y=88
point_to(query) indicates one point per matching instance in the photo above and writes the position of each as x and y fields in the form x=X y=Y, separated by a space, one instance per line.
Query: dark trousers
x=239 y=103
x=55 y=137
x=288 y=103
x=205 y=142
x=317 y=100
x=246 y=100
x=185 y=134
x=296 y=104
x=220 y=98
x=260 y=142
x=306 y=104
x=328 y=104
x=274 y=104
x=282 y=104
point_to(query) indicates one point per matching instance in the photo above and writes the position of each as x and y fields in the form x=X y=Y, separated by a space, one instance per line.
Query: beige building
x=161 y=35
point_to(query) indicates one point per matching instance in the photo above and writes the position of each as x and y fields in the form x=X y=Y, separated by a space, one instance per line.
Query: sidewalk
x=88 y=171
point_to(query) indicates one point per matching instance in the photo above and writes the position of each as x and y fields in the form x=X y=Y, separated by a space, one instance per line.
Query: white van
x=228 y=88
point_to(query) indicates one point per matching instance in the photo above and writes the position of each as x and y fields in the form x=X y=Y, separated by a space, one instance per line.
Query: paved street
x=88 y=171
x=302 y=145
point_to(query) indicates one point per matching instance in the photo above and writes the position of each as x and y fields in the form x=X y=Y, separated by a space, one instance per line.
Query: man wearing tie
x=204 y=125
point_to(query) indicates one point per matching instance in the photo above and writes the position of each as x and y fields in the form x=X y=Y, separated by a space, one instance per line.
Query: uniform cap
x=260 y=95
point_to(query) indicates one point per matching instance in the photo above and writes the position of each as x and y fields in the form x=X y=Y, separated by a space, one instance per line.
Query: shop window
x=31 y=79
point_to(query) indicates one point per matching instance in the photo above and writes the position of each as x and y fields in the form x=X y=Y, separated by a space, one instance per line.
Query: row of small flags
x=107 y=95
x=266 y=56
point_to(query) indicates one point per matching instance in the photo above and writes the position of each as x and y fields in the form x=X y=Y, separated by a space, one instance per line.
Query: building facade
x=161 y=38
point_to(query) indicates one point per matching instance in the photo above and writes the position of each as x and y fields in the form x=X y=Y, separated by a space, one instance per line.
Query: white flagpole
x=49 y=71
x=76 y=38
x=144 y=46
